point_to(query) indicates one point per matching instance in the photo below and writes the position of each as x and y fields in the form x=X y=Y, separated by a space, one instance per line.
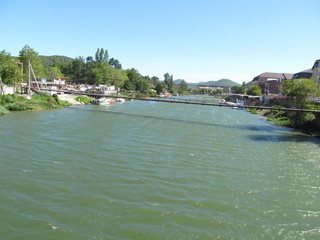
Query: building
x=303 y=74
x=212 y=88
x=316 y=70
x=270 y=82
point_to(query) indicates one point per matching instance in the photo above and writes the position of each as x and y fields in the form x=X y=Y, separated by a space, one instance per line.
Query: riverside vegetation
x=42 y=101
x=300 y=93
x=98 y=70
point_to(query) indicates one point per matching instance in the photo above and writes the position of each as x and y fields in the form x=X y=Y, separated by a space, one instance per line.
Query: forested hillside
x=49 y=61
x=221 y=82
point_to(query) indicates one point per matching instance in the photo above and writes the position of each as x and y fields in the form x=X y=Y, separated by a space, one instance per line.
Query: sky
x=194 y=40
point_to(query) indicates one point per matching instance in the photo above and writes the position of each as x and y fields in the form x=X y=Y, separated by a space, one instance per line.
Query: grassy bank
x=308 y=123
x=38 y=102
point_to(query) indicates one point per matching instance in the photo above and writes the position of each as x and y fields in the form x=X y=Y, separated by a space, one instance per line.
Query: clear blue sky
x=196 y=40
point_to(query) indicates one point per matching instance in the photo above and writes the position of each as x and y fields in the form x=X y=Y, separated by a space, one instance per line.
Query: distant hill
x=178 y=81
x=221 y=82
x=49 y=61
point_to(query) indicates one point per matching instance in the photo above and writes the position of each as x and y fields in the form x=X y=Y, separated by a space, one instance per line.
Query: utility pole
x=30 y=70
x=29 y=78
x=1 y=87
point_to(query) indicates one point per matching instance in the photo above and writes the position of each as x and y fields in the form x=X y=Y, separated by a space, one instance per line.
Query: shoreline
x=277 y=122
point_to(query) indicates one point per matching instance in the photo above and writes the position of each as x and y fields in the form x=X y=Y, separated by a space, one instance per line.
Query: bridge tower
x=30 y=70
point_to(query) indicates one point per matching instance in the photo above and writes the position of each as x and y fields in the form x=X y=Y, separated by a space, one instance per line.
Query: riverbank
x=303 y=122
x=37 y=102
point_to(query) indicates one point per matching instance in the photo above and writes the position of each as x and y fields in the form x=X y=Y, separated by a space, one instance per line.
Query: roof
x=316 y=64
x=274 y=75
x=306 y=71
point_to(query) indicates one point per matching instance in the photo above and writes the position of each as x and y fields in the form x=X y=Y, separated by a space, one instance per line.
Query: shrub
x=17 y=106
x=253 y=110
x=6 y=99
x=3 y=110
x=84 y=99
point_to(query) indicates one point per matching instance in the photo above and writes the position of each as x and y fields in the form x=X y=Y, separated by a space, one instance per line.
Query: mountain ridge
x=220 y=83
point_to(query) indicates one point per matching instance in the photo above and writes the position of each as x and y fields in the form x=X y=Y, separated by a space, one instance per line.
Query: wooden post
x=29 y=78
x=1 y=87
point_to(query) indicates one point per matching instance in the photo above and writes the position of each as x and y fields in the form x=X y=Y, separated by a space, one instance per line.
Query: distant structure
x=316 y=70
x=270 y=82
x=214 y=87
x=303 y=74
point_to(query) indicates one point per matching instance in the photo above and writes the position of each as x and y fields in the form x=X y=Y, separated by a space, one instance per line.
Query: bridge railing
x=193 y=101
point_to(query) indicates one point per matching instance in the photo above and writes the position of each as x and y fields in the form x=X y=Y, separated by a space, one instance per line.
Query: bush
x=17 y=106
x=3 y=110
x=253 y=110
x=84 y=99
x=281 y=121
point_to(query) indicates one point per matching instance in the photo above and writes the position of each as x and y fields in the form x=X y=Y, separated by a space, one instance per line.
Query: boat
x=120 y=100
x=222 y=101
x=103 y=101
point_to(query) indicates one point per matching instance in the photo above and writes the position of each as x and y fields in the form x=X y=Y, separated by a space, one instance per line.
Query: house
x=303 y=74
x=316 y=70
x=270 y=82
x=212 y=88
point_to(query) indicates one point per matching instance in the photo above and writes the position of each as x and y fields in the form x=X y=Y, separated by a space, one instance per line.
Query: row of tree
x=96 y=70
x=254 y=90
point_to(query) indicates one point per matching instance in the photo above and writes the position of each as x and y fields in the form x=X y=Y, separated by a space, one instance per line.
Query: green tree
x=300 y=92
x=143 y=85
x=154 y=81
x=10 y=69
x=54 y=72
x=102 y=55
x=78 y=69
x=183 y=86
x=100 y=75
x=168 y=80
x=254 y=90
x=238 y=89
x=117 y=76
x=160 y=87
x=27 y=53
x=217 y=91
x=128 y=85
x=134 y=77
x=115 y=63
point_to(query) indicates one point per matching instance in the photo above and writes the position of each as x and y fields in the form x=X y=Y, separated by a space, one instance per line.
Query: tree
x=299 y=92
x=27 y=53
x=238 y=89
x=102 y=55
x=89 y=59
x=78 y=69
x=168 y=80
x=133 y=77
x=143 y=85
x=183 y=85
x=10 y=69
x=54 y=72
x=218 y=91
x=160 y=87
x=115 y=63
x=154 y=81
x=254 y=90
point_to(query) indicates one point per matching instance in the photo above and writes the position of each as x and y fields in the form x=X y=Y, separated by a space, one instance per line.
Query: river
x=150 y=170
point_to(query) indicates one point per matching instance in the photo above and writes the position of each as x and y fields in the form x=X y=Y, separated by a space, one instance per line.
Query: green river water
x=149 y=170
